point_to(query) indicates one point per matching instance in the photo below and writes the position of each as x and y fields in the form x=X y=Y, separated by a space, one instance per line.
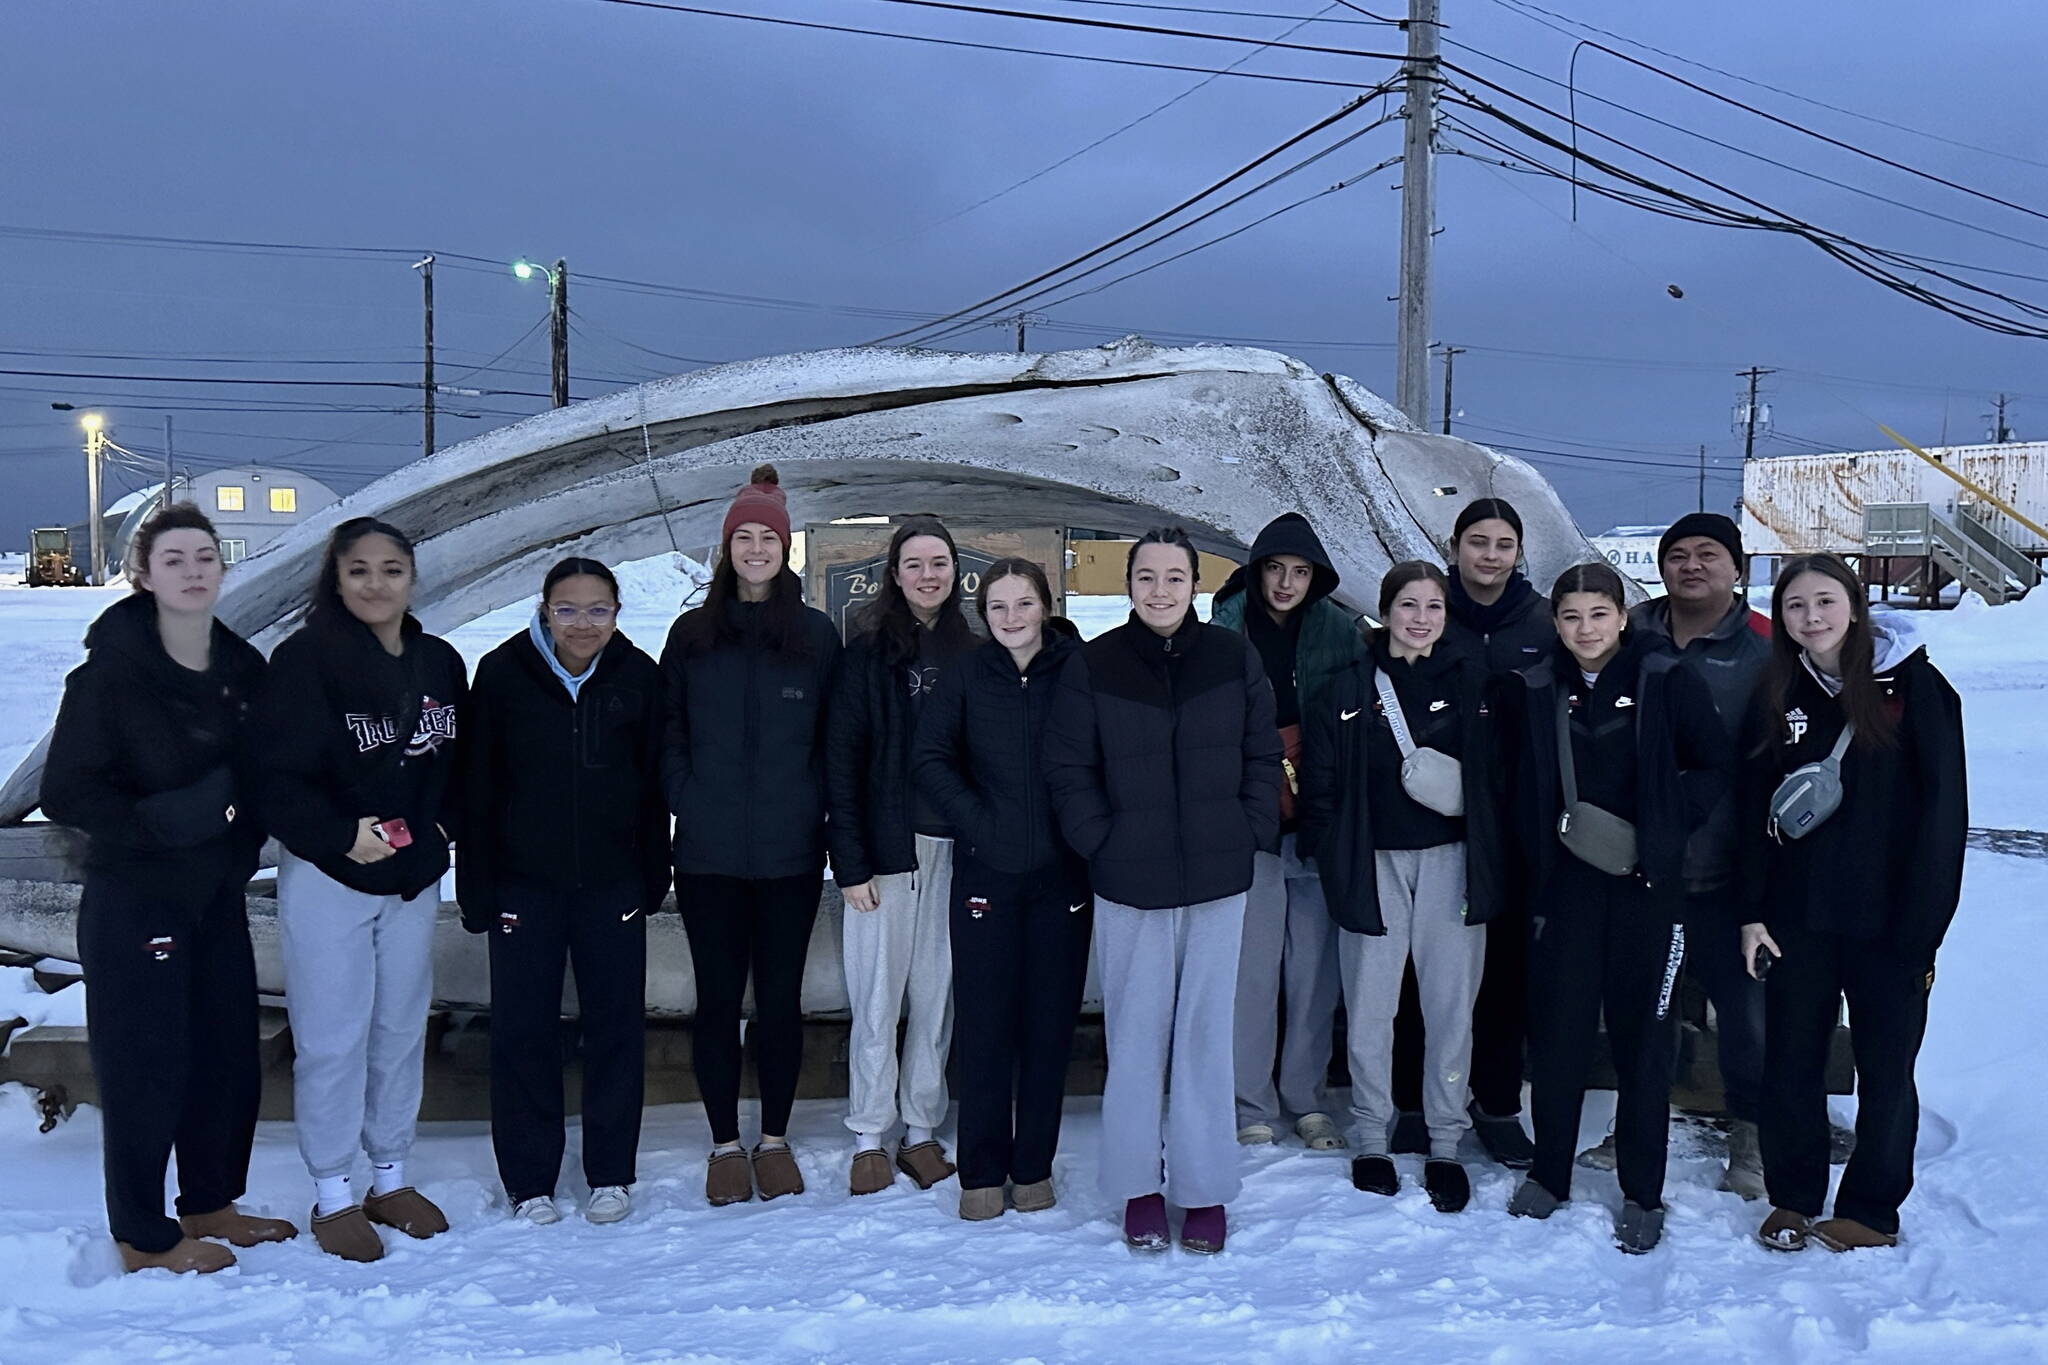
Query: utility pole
x=1022 y=319
x=1451 y=354
x=170 y=473
x=1418 y=214
x=426 y=269
x=2000 y=432
x=1703 y=479
x=95 y=451
x=558 y=330
x=1748 y=415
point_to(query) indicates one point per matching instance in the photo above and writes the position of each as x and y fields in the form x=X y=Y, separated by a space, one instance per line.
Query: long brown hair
x=1862 y=703
x=889 y=618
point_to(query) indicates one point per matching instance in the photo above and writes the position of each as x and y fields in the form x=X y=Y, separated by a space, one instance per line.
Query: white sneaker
x=1255 y=1135
x=608 y=1204
x=539 y=1210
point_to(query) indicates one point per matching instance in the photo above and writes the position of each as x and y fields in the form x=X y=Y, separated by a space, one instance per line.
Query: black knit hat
x=1712 y=525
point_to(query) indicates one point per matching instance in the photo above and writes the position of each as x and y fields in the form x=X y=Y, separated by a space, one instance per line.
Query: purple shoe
x=1202 y=1230
x=1145 y=1223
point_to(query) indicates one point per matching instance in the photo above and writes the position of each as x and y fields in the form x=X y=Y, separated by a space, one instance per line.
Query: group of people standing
x=1480 y=827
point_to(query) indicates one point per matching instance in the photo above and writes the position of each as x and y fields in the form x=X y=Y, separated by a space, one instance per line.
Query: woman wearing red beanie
x=747 y=676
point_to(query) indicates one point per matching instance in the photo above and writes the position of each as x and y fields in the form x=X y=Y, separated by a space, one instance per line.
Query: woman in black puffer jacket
x=144 y=760
x=1164 y=764
x=1857 y=906
x=1647 y=748
x=1020 y=906
x=747 y=675
x=567 y=856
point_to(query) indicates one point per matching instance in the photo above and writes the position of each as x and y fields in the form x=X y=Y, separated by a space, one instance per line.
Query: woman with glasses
x=566 y=858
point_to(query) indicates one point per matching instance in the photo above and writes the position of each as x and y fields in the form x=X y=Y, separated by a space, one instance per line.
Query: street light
x=558 y=321
x=95 y=452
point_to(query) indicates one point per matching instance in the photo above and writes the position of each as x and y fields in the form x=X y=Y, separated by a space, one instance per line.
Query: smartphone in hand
x=392 y=832
x=1765 y=960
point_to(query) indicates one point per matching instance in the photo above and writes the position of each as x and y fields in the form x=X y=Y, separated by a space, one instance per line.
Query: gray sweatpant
x=1422 y=900
x=901 y=947
x=1168 y=981
x=1289 y=942
x=359 y=981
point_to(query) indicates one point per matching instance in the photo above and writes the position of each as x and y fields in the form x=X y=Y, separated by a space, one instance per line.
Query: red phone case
x=393 y=832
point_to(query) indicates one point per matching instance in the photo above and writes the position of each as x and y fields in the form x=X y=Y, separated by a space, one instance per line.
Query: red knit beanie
x=760 y=501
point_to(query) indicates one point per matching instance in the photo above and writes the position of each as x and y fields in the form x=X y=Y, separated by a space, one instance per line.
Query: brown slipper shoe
x=776 y=1173
x=1785 y=1230
x=1846 y=1234
x=978 y=1206
x=189 y=1257
x=727 y=1179
x=871 y=1173
x=348 y=1234
x=406 y=1209
x=924 y=1162
x=1035 y=1197
x=232 y=1225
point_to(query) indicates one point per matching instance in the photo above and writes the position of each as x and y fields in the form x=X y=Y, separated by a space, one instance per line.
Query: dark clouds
x=811 y=166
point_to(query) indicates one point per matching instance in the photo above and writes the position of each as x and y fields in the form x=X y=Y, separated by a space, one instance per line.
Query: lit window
x=227 y=498
x=233 y=551
x=284 y=499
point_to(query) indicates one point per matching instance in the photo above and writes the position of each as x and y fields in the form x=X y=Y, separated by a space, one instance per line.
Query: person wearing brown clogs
x=1854 y=812
x=144 y=761
x=359 y=781
x=747 y=676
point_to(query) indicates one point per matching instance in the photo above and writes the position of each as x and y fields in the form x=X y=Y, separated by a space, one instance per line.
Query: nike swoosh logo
x=1438 y=705
x=1077 y=909
x=1620 y=702
x=628 y=916
x=1347 y=715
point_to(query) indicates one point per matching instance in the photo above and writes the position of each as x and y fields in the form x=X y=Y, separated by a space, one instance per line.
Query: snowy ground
x=1315 y=1271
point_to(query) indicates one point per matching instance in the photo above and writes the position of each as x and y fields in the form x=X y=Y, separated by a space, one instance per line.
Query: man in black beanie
x=1727 y=644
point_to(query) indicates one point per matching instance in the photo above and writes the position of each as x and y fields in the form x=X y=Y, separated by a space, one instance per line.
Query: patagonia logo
x=977 y=906
x=792 y=694
x=160 y=947
x=1673 y=960
x=507 y=922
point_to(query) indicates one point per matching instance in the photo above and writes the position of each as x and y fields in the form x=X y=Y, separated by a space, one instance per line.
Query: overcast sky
x=833 y=169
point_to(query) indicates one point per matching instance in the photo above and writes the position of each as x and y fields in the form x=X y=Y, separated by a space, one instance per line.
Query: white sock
x=721 y=1148
x=331 y=1194
x=912 y=1134
x=767 y=1141
x=387 y=1176
x=867 y=1142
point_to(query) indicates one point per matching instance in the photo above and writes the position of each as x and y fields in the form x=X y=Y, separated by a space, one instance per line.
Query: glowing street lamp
x=558 y=321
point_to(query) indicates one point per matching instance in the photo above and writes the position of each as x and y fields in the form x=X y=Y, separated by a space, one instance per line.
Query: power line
x=1247 y=168
x=979 y=46
x=1523 y=6
x=1245 y=13
x=1118 y=132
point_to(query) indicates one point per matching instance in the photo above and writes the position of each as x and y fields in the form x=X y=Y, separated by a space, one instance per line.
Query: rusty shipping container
x=1800 y=504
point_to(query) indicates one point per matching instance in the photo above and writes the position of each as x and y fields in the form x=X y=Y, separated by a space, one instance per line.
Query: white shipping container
x=1801 y=504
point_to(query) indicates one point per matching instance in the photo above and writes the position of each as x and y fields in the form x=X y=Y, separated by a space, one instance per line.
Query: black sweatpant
x=736 y=926
x=1597 y=944
x=604 y=939
x=170 y=1010
x=1887 y=992
x=1020 y=959
x=1713 y=957
x=1500 y=1026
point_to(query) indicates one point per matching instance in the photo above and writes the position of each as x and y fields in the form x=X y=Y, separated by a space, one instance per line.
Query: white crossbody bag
x=1431 y=777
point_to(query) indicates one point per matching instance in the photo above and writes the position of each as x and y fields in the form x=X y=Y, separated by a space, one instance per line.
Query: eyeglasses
x=566 y=615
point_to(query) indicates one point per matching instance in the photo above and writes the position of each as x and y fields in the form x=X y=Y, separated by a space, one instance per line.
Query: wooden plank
x=42 y=853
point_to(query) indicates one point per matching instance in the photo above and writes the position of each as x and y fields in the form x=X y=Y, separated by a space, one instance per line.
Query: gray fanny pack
x=1431 y=777
x=1810 y=793
x=1593 y=835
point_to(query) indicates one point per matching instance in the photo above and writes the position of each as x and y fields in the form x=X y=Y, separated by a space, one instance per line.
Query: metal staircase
x=1966 y=548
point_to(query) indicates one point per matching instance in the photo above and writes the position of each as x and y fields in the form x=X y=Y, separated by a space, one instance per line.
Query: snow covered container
x=1802 y=504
